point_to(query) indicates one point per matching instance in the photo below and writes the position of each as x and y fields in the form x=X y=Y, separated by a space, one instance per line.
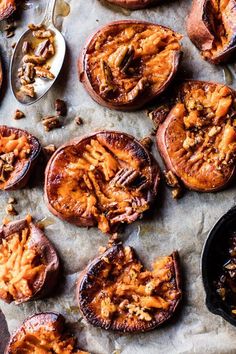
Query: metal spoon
x=41 y=85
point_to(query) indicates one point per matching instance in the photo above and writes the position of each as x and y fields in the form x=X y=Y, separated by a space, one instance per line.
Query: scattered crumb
x=60 y=107
x=51 y=122
x=10 y=210
x=79 y=120
x=19 y=114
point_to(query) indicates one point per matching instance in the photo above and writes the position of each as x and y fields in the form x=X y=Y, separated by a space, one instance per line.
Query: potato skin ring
x=22 y=171
x=114 y=143
x=38 y=241
x=53 y=322
x=201 y=32
x=148 y=90
x=88 y=285
x=7 y=7
x=134 y=4
x=172 y=133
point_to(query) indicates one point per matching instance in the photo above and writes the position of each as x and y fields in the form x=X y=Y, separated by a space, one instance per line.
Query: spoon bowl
x=41 y=85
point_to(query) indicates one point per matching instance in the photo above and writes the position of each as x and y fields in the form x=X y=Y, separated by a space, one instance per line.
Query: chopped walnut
x=60 y=107
x=51 y=122
x=171 y=179
x=19 y=114
x=78 y=120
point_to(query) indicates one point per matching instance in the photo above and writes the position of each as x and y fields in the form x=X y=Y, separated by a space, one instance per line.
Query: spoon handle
x=49 y=13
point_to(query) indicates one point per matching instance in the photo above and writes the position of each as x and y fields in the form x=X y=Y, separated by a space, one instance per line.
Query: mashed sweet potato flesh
x=127 y=291
x=44 y=341
x=96 y=183
x=127 y=60
x=20 y=267
x=201 y=140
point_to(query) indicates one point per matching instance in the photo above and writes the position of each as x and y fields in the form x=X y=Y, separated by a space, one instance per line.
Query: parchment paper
x=181 y=225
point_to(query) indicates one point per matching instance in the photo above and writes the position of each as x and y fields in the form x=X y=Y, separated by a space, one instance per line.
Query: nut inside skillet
x=127 y=63
x=104 y=179
x=116 y=292
x=197 y=140
x=19 y=151
x=43 y=333
x=211 y=25
x=28 y=262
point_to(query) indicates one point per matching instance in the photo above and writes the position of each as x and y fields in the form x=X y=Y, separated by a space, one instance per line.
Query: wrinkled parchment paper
x=181 y=225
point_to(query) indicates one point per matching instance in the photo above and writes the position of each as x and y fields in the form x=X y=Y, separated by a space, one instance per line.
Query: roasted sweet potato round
x=19 y=151
x=7 y=7
x=115 y=291
x=43 y=333
x=211 y=26
x=125 y=64
x=133 y=4
x=197 y=140
x=103 y=179
x=29 y=264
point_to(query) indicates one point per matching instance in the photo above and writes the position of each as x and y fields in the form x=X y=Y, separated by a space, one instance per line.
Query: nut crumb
x=177 y=193
x=10 y=210
x=49 y=149
x=147 y=142
x=51 y=122
x=79 y=120
x=60 y=107
x=19 y=114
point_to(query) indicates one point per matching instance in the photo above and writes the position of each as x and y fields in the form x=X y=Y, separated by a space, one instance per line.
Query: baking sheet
x=181 y=225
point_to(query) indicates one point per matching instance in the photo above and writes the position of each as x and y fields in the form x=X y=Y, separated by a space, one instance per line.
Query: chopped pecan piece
x=26 y=47
x=40 y=49
x=42 y=72
x=10 y=210
x=147 y=142
x=115 y=291
x=41 y=33
x=33 y=59
x=60 y=107
x=78 y=120
x=51 y=122
x=19 y=114
x=28 y=90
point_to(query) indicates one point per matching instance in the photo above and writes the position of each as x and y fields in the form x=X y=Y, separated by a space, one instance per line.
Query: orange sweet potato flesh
x=19 y=152
x=42 y=334
x=125 y=64
x=7 y=7
x=134 y=4
x=29 y=264
x=197 y=140
x=211 y=26
x=105 y=179
x=116 y=292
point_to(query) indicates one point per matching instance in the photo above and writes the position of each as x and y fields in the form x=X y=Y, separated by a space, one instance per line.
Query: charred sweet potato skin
x=205 y=33
x=7 y=7
x=48 y=323
x=23 y=167
x=134 y=4
x=46 y=257
x=199 y=148
x=93 y=189
x=108 y=268
x=123 y=75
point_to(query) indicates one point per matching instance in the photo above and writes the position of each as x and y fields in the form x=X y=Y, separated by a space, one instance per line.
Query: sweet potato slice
x=43 y=333
x=116 y=292
x=29 y=264
x=103 y=179
x=19 y=151
x=211 y=26
x=125 y=64
x=197 y=140
x=134 y=4
x=7 y=7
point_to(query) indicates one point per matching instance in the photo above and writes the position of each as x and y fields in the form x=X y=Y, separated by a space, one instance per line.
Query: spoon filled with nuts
x=37 y=59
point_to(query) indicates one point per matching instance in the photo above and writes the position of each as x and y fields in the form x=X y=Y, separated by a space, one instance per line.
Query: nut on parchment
x=60 y=107
x=10 y=210
x=19 y=114
x=79 y=120
x=51 y=122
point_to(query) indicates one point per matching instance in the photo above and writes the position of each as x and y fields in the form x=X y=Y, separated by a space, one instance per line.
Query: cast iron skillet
x=215 y=254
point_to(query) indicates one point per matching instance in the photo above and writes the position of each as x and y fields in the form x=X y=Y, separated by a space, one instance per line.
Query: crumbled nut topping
x=60 y=107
